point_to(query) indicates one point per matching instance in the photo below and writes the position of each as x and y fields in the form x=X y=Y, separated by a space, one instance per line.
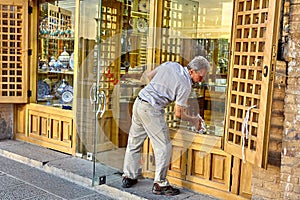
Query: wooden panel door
x=210 y=169
x=177 y=166
x=38 y=125
x=13 y=51
x=52 y=129
x=20 y=118
x=253 y=56
x=60 y=130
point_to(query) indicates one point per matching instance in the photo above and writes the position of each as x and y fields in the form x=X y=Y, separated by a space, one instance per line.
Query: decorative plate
x=67 y=96
x=59 y=87
x=144 y=5
x=142 y=25
x=43 y=89
x=68 y=88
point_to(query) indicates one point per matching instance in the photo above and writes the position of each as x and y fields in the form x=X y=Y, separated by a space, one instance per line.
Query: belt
x=142 y=99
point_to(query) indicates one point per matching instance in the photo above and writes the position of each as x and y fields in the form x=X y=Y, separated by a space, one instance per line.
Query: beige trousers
x=147 y=121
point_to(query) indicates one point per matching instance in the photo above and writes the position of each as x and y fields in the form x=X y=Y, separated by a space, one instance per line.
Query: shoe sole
x=166 y=194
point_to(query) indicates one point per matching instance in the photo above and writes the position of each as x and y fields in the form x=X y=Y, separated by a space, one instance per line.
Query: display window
x=56 y=54
x=190 y=29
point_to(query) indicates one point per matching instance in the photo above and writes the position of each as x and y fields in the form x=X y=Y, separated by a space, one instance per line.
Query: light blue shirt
x=171 y=83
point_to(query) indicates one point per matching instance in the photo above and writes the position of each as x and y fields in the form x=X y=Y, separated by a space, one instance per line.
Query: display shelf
x=66 y=72
x=55 y=37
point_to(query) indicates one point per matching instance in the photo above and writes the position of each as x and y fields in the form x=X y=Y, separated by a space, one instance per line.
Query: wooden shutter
x=13 y=51
x=253 y=56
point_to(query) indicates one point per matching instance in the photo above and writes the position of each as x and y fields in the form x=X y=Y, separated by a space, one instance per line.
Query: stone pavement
x=21 y=181
x=42 y=173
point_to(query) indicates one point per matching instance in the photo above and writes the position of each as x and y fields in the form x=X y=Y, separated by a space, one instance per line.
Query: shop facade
x=70 y=71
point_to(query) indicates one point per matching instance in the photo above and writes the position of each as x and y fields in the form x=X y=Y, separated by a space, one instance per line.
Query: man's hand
x=197 y=122
x=202 y=127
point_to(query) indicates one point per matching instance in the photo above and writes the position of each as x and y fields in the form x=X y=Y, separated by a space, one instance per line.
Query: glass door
x=112 y=56
x=116 y=44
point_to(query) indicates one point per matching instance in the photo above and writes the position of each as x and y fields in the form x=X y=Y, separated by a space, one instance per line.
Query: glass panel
x=114 y=47
x=192 y=28
x=55 y=54
x=113 y=38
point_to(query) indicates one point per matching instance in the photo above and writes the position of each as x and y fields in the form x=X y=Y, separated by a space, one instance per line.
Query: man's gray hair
x=198 y=63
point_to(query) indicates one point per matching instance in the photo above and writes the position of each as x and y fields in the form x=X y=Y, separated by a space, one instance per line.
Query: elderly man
x=169 y=82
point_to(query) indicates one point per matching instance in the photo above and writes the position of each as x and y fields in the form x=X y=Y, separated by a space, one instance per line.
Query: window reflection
x=192 y=28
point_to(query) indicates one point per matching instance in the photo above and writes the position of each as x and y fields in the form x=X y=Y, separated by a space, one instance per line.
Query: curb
x=22 y=159
x=83 y=181
x=115 y=193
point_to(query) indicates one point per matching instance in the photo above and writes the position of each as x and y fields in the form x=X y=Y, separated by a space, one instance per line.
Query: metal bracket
x=102 y=180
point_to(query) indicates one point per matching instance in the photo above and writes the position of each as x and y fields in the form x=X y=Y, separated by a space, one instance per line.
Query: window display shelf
x=66 y=72
x=41 y=36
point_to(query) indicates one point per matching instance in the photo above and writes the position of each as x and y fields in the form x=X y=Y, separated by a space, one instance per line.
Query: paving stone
x=95 y=197
x=34 y=183
x=22 y=191
x=46 y=197
x=6 y=182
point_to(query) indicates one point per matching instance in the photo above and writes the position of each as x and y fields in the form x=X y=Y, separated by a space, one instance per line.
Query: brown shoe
x=164 y=190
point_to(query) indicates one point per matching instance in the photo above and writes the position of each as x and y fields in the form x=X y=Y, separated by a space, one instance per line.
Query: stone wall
x=6 y=121
x=266 y=182
x=283 y=181
x=290 y=161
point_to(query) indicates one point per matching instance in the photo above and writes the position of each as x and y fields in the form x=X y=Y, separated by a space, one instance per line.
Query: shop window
x=55 y=70
x=192 y=28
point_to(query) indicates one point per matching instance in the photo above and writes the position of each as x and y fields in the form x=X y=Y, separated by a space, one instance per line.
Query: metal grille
x=12 y=46
x=250 y=78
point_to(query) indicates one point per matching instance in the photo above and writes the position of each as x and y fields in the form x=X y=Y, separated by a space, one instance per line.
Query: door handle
x=266 y=71
x=101 y=100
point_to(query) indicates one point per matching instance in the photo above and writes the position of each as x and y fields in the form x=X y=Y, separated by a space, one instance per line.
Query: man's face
x=198 y=76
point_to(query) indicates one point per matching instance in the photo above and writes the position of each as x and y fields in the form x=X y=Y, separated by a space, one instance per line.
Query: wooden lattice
x=56 y=18
x=13 y=51
x=251 y=73
x=55 y=31
x=176 y=28
x=109 y=47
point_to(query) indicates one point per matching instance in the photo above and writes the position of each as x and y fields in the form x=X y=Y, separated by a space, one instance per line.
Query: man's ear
x=192 y=71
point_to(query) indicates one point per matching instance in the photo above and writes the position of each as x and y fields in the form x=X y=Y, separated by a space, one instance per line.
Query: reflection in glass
x=115 y=40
